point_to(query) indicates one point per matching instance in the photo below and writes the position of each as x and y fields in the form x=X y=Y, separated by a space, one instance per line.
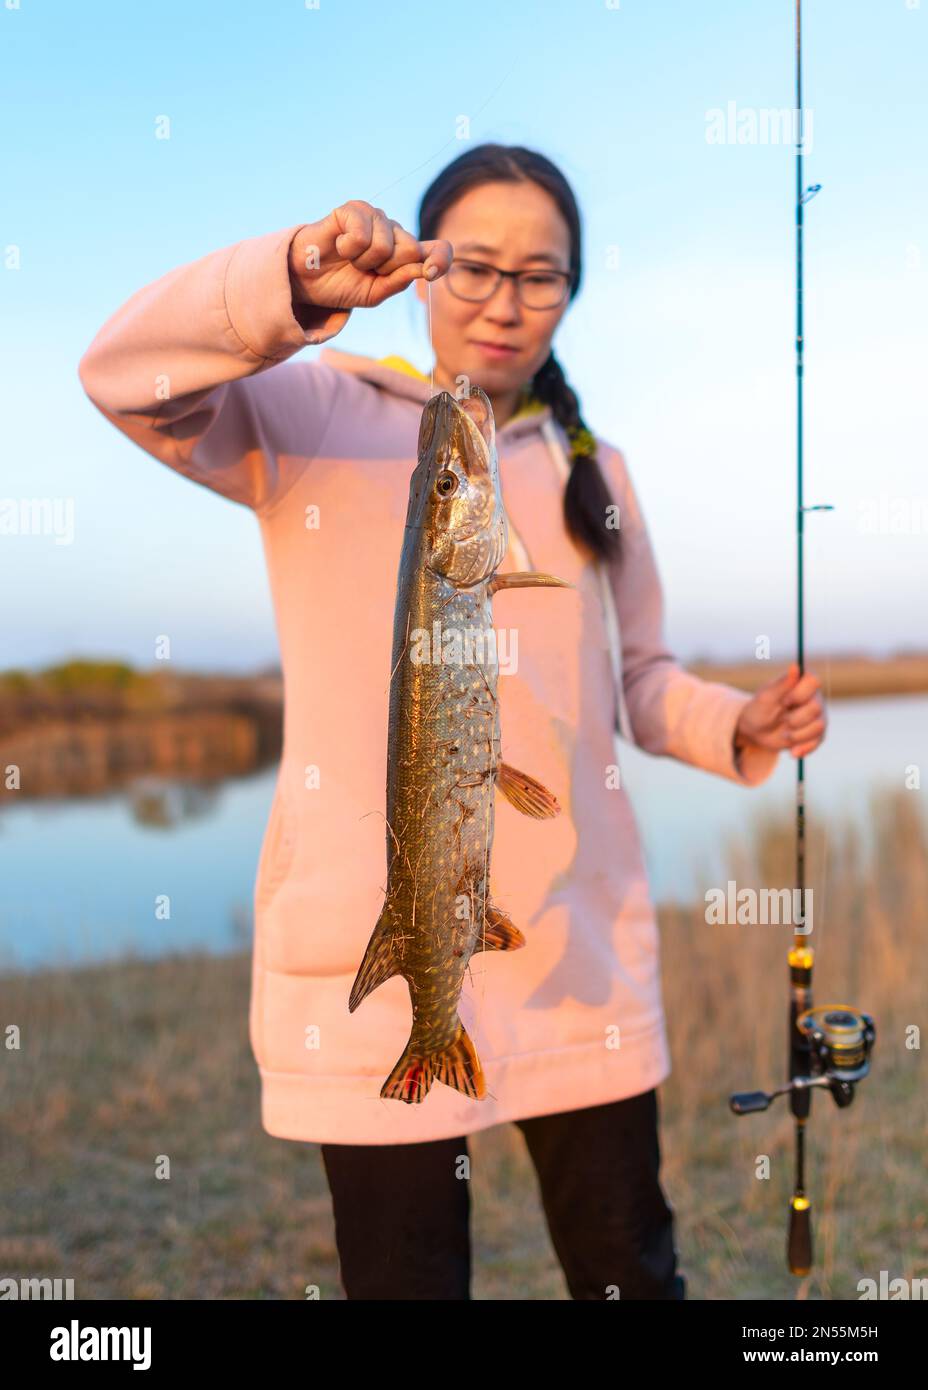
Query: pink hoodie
x=189 y=368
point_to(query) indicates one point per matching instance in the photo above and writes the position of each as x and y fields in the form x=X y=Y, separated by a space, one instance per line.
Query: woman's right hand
x=357 y=257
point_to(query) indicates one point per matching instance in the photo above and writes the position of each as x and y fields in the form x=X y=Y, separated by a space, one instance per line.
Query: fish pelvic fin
x=380 y=962
x=457 y=1065
x=500 y=932
x=526 y=579
x=526 y=794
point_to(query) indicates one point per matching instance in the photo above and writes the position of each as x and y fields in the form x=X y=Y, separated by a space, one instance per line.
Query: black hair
x=586 y=495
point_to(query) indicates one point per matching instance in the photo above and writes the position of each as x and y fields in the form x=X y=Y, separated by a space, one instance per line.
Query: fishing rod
x=829 y=1046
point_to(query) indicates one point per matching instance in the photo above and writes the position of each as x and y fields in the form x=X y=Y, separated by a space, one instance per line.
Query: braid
x=586 y=496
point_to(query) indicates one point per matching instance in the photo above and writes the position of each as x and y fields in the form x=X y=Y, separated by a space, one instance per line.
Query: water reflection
x=85 y=878
x=163 y=804
x=92 y=756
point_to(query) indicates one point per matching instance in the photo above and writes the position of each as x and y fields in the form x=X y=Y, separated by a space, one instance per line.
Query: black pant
x=402 y=1212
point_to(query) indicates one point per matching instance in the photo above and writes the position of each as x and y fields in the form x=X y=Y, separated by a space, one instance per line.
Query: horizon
x=680 y=344
x=274 y=668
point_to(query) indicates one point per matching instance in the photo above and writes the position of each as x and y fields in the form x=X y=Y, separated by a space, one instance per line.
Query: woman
x=570 y=1030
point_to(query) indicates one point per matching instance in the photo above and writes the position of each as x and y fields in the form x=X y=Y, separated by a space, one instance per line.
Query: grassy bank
x=844 y=676
x=121 y=1064
x=77 y=691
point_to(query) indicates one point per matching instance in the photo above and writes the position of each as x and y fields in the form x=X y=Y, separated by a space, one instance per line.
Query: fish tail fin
x=457 y=1065
x=380 y=962
x=411 y=1079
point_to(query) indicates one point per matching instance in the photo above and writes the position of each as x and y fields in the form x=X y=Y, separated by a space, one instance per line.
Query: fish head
x=455 y=499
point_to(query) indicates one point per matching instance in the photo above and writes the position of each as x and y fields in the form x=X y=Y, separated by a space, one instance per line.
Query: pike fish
x=443 y=747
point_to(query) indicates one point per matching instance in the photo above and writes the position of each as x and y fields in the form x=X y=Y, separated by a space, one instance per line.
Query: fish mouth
x=466 y=526
x=462 y=425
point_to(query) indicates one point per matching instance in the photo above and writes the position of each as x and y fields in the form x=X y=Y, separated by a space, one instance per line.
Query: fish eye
x=446 y=483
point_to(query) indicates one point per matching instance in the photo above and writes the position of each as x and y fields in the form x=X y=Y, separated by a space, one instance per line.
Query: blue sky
x=682 y=354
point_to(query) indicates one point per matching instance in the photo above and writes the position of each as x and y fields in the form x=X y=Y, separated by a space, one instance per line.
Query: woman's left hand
x=787 y=713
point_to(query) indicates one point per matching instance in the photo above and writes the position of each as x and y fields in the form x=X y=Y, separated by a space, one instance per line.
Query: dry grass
x=726 y=999
x=121 y=1064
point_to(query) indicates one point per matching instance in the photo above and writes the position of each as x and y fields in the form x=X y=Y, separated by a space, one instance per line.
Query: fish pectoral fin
x=380 y=962
x=526 y=794
x=500 y=932
x=457 y=1065
x=526 y=579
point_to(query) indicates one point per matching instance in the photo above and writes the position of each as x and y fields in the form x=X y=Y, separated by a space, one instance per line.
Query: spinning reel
x=829 y=1047
x=838 y=1041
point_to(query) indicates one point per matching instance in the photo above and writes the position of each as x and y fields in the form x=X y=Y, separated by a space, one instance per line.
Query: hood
x=401 y=378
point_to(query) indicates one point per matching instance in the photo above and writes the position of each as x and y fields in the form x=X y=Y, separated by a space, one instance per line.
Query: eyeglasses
x=537 y=289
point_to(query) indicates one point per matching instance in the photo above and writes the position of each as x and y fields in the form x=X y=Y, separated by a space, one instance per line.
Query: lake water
x=80 y=877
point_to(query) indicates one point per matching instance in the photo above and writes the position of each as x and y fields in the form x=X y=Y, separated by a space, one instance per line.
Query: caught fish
x=443 y=747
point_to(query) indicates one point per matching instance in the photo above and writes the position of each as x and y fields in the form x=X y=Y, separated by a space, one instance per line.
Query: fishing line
x=452 y=140
x=428 y=285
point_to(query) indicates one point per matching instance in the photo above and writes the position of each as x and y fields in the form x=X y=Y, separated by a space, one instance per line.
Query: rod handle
x=799 y=1243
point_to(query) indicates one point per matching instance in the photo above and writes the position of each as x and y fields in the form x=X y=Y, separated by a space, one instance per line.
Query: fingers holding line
x=374 y=242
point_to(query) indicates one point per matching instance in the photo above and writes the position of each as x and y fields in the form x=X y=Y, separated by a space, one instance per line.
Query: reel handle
x=750 y=1102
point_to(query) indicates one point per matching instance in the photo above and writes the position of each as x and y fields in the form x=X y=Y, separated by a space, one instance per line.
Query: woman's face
x=513 y=226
